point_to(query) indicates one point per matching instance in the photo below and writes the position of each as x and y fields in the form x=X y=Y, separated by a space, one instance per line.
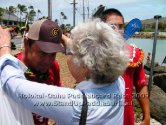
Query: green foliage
x=43 y=17
x=31 y=15
x=1 y=13
x=11 y=9
x=151 y=27
x=162 y=27
x=22 y=9
x=56 y=20
x=24 y=12
x=13 y=46
x=66 y=27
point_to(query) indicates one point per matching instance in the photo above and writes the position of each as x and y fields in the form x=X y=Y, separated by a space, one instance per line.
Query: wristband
x=5 y=45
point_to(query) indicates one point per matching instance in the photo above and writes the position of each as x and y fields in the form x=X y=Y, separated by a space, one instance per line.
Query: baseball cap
x=47 y=35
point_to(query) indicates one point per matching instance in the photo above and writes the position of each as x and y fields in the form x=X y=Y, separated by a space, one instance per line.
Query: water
x=147 y=46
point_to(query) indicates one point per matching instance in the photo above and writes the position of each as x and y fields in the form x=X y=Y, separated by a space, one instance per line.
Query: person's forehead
x=114 y=19
x=36 y=49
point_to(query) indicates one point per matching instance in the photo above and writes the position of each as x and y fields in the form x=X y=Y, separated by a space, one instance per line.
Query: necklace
x=36 y=76
x=140 y=60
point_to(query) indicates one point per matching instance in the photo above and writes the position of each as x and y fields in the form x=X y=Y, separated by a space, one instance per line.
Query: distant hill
x=148 y=25
x=152 y=21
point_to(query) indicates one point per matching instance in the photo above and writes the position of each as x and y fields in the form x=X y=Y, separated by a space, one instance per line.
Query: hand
x=64 y=40
x=5 y=41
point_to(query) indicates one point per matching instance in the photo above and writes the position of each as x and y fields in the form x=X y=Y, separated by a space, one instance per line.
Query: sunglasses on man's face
x=116 y=26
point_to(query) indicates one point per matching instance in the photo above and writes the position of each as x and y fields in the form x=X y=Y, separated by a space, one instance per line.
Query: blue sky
x=142 y=9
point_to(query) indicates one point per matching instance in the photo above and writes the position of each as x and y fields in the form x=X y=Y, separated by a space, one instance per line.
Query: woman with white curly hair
x=98 y=58
x=100 y=50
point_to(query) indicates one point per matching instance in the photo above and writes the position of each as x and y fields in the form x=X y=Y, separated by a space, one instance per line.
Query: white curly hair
x=102 y=50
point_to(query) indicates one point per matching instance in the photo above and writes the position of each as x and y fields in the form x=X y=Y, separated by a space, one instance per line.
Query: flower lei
x=133 y=64
x=37 y=76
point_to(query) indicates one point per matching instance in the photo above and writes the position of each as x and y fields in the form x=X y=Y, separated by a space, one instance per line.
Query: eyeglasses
x=116 y=26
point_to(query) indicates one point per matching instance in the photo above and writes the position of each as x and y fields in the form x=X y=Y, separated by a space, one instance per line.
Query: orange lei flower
x=136 y=64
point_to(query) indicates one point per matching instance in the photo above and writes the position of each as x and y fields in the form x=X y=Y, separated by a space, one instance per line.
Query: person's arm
x=45 y=100
x=5 y=45
x=65 y=40
x=142 y=91
x=144 y=103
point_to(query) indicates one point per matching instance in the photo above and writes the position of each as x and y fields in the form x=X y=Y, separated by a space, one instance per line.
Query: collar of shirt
x=89 y=85
x=13 y=60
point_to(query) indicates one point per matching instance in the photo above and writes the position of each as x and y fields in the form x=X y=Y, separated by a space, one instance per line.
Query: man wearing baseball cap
x=41 y=45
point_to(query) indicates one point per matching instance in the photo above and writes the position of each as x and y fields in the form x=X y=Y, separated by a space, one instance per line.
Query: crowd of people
x=106 y=69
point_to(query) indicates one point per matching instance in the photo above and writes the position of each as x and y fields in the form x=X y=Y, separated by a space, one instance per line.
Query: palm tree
x=31 y=7
x=18 y=11
x=62 y=17
x=56 y=20
x=22 y=9
x=10 y=11
x=31 y=15
x=38 y=12
x=43 y=17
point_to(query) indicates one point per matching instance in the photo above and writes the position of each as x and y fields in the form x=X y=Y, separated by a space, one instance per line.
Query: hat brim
x=48 y=47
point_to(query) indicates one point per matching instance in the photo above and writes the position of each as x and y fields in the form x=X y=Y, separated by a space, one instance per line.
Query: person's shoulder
x=136 y=56
x=19 y=55
x=55 y=66
x=55 y=63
